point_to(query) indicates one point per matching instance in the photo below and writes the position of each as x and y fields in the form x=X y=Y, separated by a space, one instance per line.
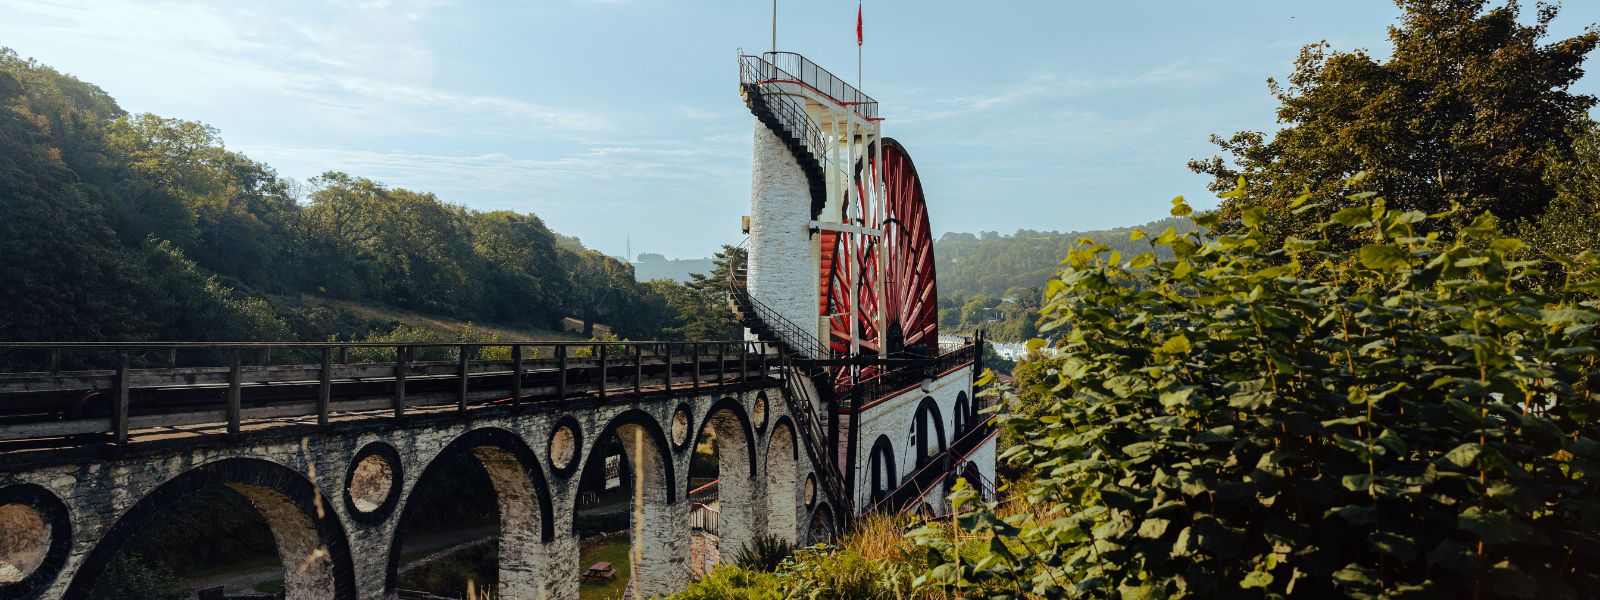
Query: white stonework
x=783 y=256
x=895 y=418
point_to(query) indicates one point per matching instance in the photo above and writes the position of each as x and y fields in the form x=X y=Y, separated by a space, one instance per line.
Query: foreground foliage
x=1398 y=419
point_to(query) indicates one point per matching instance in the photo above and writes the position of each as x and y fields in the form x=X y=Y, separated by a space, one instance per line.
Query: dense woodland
x=119 y=226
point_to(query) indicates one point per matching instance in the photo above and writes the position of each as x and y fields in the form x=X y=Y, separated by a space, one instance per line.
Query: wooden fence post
x=516 y=376
x=235 y=393
x=324 y=386
x=402 y=357
x=119 y=406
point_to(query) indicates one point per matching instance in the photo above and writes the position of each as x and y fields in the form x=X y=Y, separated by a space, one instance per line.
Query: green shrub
x=729 y=582
x=1247 y=419
x=764 y=553
x=823 y=571
x=131 y=577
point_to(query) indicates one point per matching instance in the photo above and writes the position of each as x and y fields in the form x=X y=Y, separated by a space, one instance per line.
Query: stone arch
x=522 y=495
x=822 y=524
x=930 y=439
x=782 y=475
x=311 y=541
x=729 y=419
x=974 y=477
x=741 y=508
x=962 y=419
x=660 y=540
x=881 y=468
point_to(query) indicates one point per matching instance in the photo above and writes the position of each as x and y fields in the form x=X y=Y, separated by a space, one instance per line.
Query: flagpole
x=859 y=41
x=774 y=25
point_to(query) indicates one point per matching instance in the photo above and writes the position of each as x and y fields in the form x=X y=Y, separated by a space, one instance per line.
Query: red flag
x=858 y=23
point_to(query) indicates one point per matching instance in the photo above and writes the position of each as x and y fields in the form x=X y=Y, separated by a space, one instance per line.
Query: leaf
x=1256 y=579
x=1356 y=515
x=1253 y=216
x=1383 y=257
x=1353 y=216
x=1180 y=208
x=1153 y=528
x=1464 y=456
x=1491 y=526
x=1177 y=344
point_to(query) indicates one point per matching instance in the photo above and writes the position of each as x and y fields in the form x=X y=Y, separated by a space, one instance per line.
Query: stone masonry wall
x=298 y=478
x=783 y=253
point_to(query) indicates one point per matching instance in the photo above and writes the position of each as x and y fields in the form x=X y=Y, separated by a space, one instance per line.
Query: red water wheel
x=908 y=293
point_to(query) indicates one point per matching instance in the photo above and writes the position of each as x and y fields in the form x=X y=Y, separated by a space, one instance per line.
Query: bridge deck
x=50 y=410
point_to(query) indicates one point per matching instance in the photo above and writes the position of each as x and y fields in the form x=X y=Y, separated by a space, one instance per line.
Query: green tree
x=1470 y=109
x=1571 y=224
x=699 y=309
x=1301 y=419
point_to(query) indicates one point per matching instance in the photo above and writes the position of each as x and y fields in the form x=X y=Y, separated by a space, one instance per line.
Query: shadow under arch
x=747 y=431
x=962 y=417
x=782 y=472
x=514 y=471
x=310 y=539
x=822 y=525
x=657 y=551
x=656 y=437
x=928 y=414
x=882 y=469
x=783 y=422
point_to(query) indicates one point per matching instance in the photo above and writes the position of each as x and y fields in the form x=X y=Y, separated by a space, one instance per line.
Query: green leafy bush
x=131 y=577
x=729 y=582
x=764 y=553
x=1246 y=419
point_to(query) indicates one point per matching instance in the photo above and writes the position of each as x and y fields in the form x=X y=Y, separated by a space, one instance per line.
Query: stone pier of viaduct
x=334 y=495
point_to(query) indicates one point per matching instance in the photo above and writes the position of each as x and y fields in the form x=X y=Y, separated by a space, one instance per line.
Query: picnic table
x=600 y=570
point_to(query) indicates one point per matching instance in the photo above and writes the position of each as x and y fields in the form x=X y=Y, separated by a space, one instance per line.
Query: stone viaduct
x=333 y=493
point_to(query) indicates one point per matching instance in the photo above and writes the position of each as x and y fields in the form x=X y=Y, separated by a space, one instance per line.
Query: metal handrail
x=800 y=342
x=758 y=77
x=801 y=69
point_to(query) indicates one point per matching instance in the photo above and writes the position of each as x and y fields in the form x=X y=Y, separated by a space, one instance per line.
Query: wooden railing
x=70 y=390
x=705 y=518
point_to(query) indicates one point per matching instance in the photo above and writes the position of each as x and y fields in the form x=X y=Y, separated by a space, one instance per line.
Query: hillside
x=655 y=266
x=989 y=264
x=996 y=282
x=119 y=226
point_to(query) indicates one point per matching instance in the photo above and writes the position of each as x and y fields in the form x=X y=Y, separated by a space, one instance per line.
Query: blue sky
x=614 y=119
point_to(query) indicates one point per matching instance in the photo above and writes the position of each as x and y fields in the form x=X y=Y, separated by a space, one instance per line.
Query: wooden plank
x=219 y=376
x=49 y=429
